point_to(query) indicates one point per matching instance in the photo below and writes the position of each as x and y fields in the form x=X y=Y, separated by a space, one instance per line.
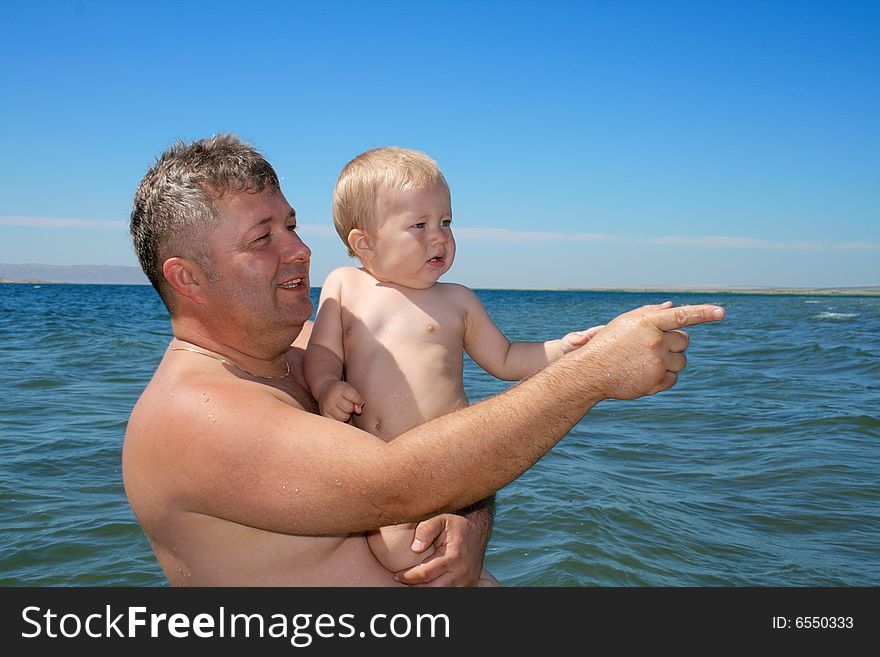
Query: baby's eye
x=446 y=222
x=419 y=225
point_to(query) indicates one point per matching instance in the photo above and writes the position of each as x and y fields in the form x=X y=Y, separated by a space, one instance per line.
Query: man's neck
x=261 y=357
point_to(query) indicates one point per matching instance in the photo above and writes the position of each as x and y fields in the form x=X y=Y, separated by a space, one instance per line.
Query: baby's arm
x=512 y=361
x=323 y=366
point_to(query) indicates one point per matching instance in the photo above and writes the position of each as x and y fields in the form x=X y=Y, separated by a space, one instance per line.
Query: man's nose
x=295 y=250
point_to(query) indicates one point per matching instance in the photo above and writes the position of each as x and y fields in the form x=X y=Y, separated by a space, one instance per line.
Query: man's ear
x=360 y=242
x=186 y=277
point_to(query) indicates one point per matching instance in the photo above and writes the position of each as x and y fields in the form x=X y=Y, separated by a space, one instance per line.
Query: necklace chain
x=229 y=362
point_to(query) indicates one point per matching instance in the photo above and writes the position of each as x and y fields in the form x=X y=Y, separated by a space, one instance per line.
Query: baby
x=386 y=351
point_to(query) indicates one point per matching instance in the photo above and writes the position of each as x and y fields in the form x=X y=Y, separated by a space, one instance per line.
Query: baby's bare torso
x=403 y=351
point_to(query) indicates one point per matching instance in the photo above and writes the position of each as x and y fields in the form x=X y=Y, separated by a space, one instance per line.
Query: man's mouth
x=292 y=283
x=438 y=260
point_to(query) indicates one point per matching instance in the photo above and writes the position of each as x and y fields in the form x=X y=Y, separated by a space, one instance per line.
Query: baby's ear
x=361 y=244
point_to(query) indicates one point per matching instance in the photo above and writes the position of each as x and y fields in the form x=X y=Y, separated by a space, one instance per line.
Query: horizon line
x=837 y=290
x=507 y=236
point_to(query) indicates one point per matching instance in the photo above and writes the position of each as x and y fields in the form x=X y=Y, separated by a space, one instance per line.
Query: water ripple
x=759 y=468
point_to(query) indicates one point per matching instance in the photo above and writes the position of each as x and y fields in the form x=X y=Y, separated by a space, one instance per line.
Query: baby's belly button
x=369 y=422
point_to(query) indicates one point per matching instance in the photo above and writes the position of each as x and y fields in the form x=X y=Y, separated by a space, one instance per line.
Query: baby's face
x=413 y=245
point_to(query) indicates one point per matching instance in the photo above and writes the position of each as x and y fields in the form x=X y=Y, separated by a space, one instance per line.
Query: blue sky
x=587 y=144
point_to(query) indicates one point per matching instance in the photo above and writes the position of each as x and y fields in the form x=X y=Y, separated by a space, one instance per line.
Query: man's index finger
x=675 y=318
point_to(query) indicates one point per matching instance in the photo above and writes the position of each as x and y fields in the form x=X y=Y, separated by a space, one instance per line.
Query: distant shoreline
x=870 y=291
x=39 y=281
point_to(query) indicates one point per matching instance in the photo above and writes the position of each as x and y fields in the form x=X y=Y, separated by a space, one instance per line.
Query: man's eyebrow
x=264 y=220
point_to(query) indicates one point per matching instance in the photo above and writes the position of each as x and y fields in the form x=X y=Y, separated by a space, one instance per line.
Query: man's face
x=261 y=265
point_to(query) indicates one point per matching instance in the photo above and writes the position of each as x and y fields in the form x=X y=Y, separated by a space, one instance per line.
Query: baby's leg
x=392 y=547
x=487 y=579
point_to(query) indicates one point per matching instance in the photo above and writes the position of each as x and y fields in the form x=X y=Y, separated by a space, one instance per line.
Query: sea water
x=761 y=467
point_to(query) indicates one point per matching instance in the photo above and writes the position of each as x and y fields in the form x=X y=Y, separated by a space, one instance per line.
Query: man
x=234 y=477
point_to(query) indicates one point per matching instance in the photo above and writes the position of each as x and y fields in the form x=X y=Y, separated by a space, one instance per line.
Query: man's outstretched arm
x=262 y=463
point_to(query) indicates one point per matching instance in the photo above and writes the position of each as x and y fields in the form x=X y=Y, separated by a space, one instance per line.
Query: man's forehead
x=253 y=208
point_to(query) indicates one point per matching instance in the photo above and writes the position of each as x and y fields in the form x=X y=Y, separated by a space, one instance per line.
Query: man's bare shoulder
x=206 y=423
x=190 y=403
x=234 y=449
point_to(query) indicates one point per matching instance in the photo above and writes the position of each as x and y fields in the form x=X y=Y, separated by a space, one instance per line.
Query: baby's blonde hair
x=356 y=195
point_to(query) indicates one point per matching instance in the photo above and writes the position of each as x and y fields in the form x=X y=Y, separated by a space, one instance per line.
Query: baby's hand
x=572 y=341
x=339 y=401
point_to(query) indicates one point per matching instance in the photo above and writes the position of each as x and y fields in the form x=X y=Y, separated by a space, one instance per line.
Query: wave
x=830 y=315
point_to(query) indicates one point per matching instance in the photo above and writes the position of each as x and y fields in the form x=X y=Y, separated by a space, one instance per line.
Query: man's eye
x=262 y=238
x=291 y=227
